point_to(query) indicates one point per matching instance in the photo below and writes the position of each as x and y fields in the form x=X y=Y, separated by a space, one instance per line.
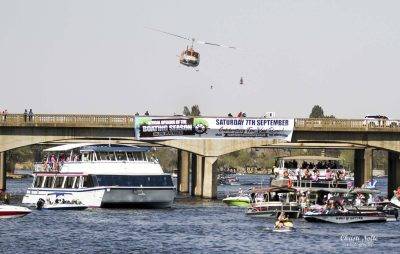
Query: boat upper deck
x=99 y=159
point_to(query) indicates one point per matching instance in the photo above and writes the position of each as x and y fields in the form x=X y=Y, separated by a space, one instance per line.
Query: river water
x=191 y=226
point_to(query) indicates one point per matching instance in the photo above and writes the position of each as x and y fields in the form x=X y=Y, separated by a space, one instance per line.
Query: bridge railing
x=68 y=120
x=127 y=121
x=346 y=124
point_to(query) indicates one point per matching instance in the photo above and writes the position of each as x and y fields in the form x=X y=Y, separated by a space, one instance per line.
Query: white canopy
x=66 y=147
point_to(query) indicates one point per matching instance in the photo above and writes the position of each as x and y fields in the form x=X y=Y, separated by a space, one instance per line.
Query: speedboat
x=10 y=211
x=101 y=175
x=242 y=201
x=340 y=217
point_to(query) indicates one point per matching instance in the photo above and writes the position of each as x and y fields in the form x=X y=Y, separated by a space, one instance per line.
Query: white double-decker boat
x=102 y=176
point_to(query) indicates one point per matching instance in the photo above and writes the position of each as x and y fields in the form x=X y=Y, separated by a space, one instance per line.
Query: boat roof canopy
x=90 y=147
x=115 y=148
x=310 y=158
x=65 y=147
x=274 y=189
x=342 y=190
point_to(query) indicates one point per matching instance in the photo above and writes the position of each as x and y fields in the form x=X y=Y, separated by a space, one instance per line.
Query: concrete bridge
x=197 y=156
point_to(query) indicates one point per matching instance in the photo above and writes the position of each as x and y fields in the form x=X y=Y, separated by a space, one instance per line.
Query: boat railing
x=56 y=166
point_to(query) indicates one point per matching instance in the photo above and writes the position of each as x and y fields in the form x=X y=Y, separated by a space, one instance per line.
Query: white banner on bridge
x=198 y=127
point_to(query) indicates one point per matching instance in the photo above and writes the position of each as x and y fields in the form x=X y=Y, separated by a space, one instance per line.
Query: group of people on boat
x=315 y=174
x=293 y=164
x=54 y=162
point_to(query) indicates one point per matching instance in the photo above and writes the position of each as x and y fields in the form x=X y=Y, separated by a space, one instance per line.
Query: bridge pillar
x=193 y=170
x=183 y=166
x=368 y=157
x=393 y=172
x=198 y=183
x=209 y=177
x=362 y=166
x=358 y=167
x=2 y=171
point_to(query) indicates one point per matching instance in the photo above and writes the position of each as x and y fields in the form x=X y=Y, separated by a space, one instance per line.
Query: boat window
x=111 y=156
x=38 y=182
x=121 y=156
x=130 y=156
x=137 y=181
x=48 y=182
x=85 y=157
x=59 y=181
x=87 y=182
x=69 y=181
x=139 y=156
x=77 y=182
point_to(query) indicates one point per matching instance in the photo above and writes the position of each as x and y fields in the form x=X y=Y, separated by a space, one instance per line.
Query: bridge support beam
x=362 y=166
x=2 y=171
x=209 y=177
x=183 y=166
x=368 y=158
x=393 y=172
x=198 y=183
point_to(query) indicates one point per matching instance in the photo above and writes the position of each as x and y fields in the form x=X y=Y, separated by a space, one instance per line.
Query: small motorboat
x=10 y=211
x=241 y=201
x=341 y=217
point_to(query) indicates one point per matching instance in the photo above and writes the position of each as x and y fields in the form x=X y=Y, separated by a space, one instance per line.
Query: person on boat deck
x=397 y=193
x=307 y=174
x=328 y=175
x=298 y=173
x=286 y=174
x=303 y=200
x=358 y=200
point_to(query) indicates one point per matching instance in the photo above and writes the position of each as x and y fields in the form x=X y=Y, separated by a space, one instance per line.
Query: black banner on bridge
x=181 y=127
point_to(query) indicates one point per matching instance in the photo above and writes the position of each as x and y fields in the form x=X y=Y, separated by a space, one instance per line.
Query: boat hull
x=7 y=212
x=137 y=197
x=64 y=207
x=344 y=219
x=237 y=201
x=109 y=197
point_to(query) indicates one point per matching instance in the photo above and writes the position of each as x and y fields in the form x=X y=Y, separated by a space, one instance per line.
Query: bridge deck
x=127 y=121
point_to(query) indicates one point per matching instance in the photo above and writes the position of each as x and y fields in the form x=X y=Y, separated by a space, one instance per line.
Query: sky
x=97 y=57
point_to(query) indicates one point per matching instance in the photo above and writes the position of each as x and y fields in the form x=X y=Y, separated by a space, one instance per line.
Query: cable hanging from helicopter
x=190 y=57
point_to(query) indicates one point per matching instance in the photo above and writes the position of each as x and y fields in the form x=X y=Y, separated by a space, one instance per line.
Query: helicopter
x=189 y=57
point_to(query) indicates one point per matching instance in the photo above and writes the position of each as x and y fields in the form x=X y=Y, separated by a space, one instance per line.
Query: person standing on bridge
x=5 y=113
x=25 y=115
x=30 y=115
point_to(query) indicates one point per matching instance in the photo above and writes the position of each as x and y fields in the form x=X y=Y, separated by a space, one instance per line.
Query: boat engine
x=40 y=203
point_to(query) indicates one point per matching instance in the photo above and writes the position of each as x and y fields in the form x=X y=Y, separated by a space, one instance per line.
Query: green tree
x=317 y=112
x=195 y=111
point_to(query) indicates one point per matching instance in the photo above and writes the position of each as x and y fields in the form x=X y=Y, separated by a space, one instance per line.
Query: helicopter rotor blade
x=215 y=44
x=168 y=33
